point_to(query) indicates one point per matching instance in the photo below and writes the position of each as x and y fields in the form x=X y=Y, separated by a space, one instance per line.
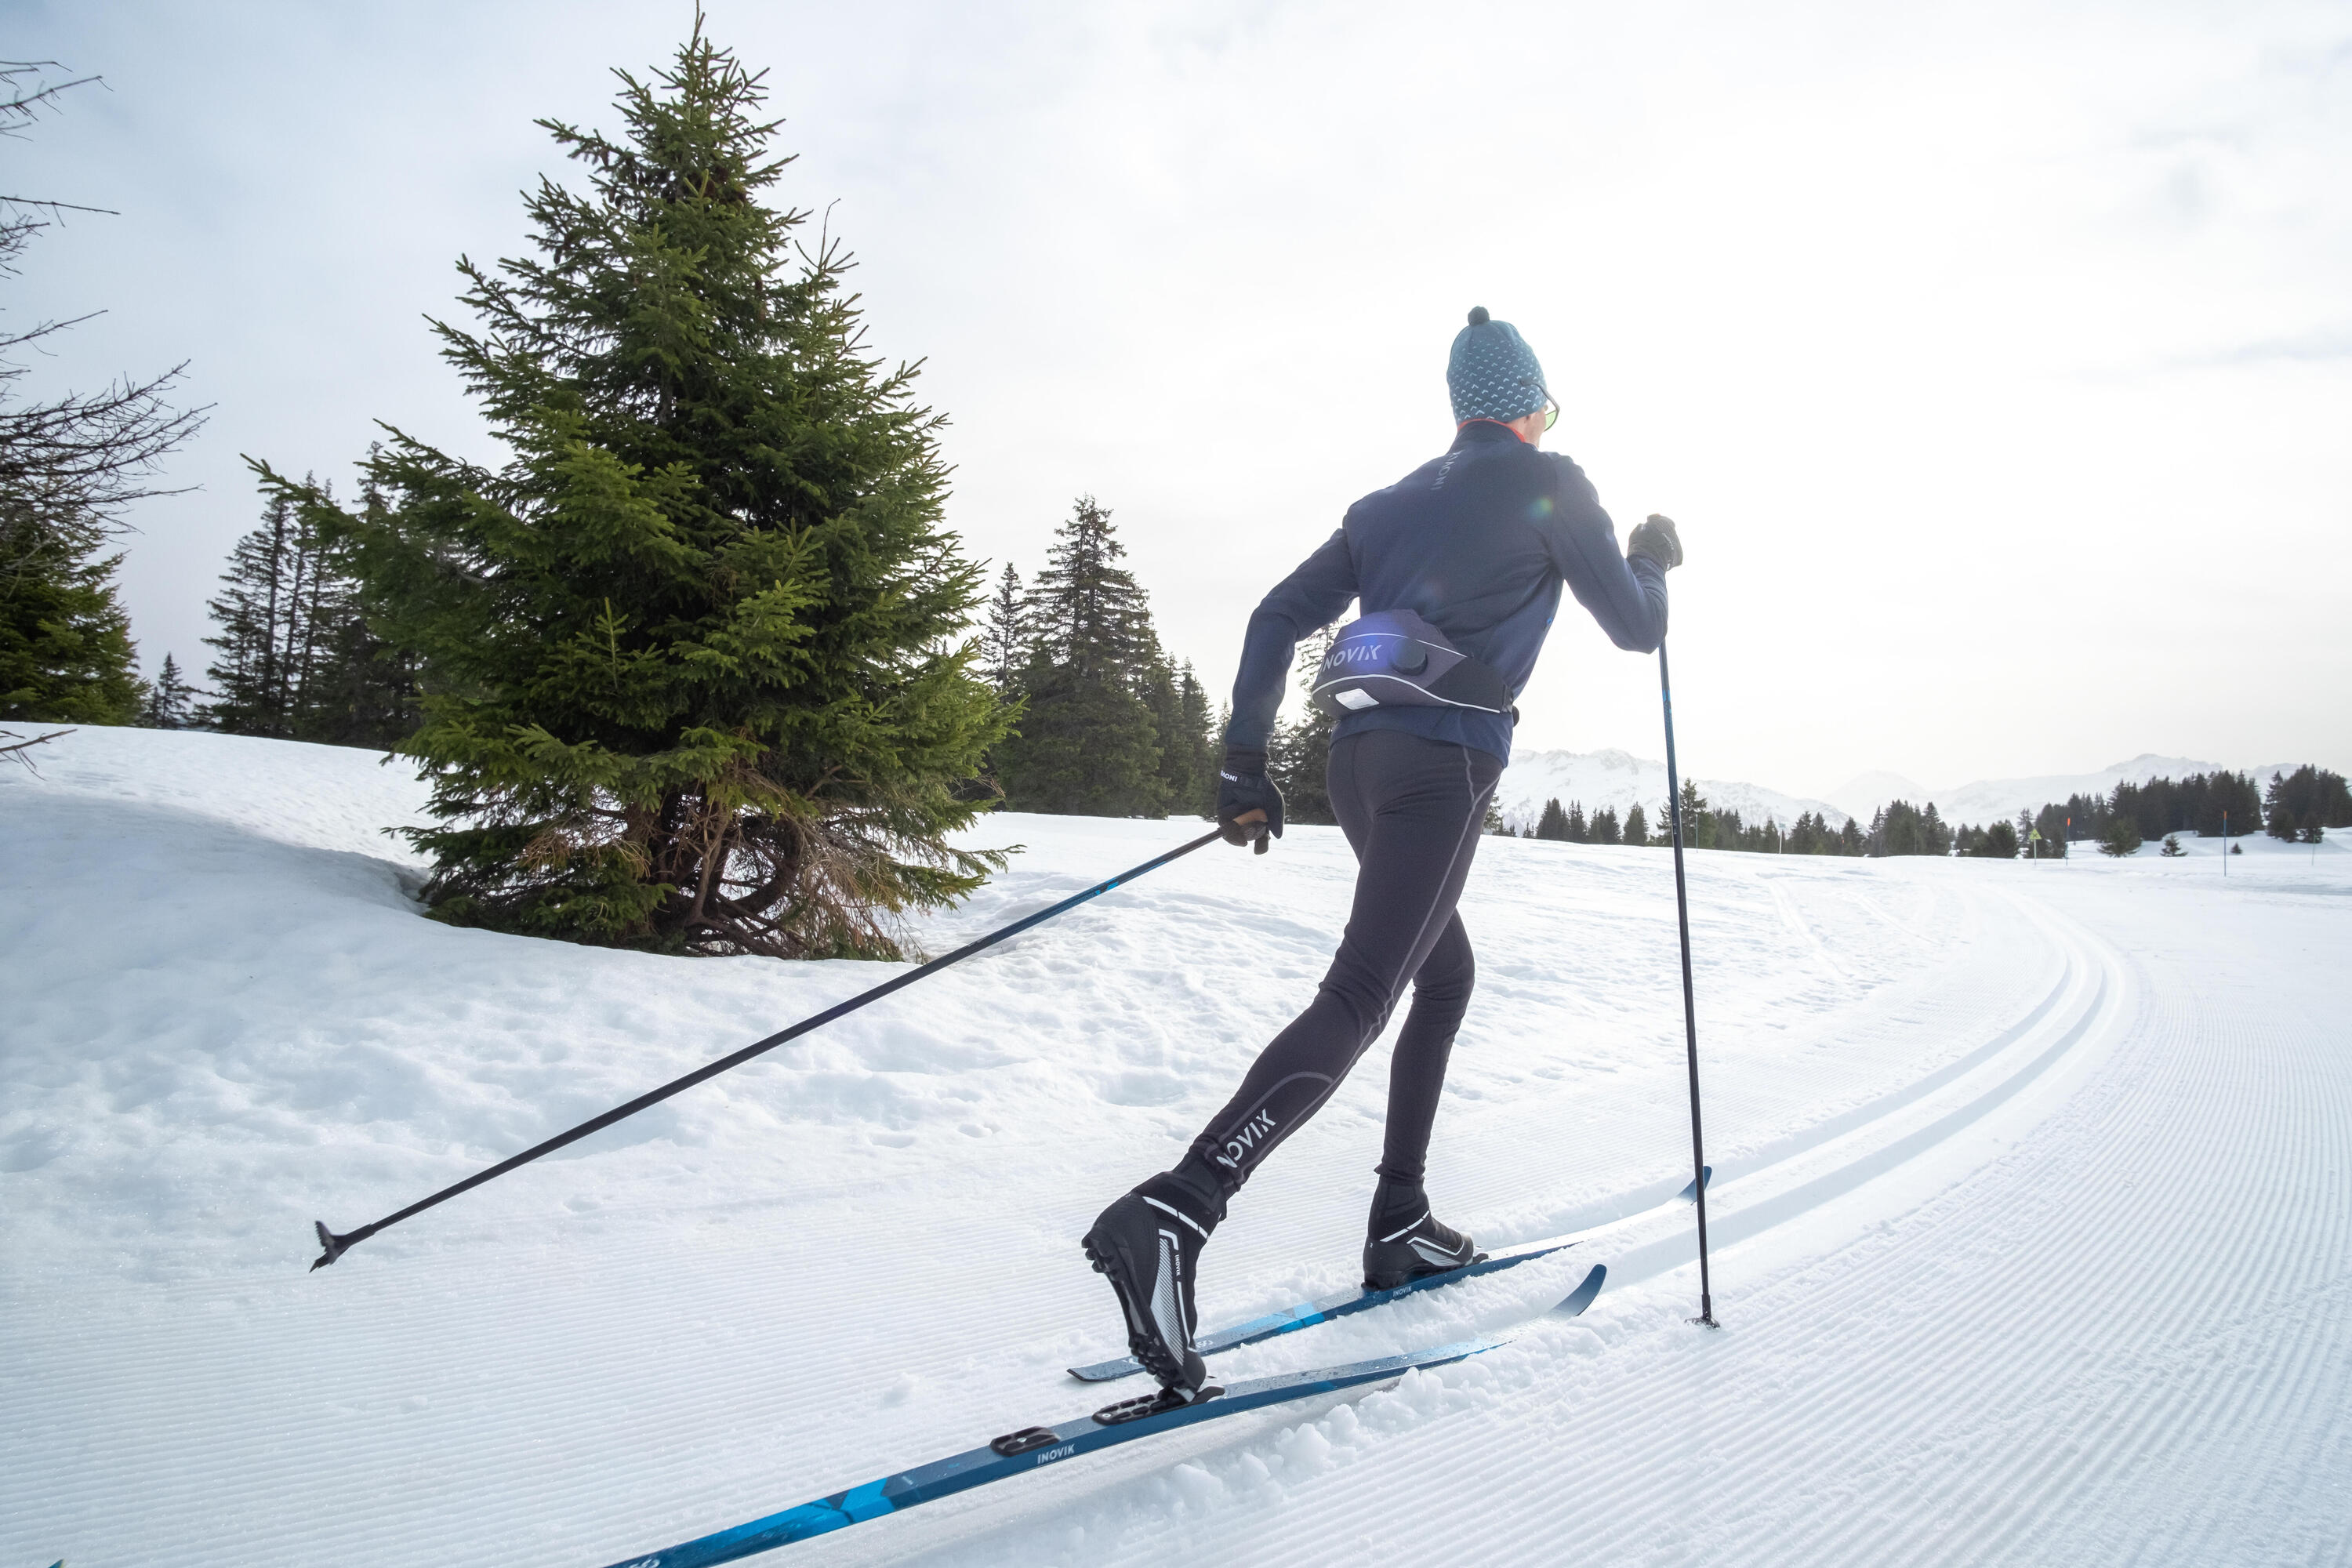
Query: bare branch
x=15 y=753
x=24 y=104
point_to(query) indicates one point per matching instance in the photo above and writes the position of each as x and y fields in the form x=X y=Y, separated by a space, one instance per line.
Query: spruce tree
x=1637 y=826
x=1197 y=733
x=1180 y=721
x=171 y=701
x=1699 y=822
x=262 y=625
x=1087 y=742
x=1004 y=635
x=1552 y=822
x=2278 y=811
x=693 y=663
x=1935 y=836
x=1604 y=828
x=296 y=658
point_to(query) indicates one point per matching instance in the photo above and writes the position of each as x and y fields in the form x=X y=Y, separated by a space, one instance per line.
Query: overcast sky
x=1994 y=359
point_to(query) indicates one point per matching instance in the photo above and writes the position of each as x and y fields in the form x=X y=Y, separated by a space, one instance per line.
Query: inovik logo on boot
x=1248 y=1139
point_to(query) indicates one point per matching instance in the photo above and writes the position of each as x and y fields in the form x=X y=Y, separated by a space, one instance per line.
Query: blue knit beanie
x=1492 y=373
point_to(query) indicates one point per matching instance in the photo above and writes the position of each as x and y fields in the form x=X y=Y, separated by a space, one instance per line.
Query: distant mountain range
x=1618 y=779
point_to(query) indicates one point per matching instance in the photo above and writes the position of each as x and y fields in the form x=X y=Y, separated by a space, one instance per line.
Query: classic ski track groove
x=2063 y=1012
x=2188 y=1079
x=1783 y=1152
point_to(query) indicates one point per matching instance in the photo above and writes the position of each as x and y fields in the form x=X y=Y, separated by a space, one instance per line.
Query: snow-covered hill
x=2031 y=1236
x=1620 y=780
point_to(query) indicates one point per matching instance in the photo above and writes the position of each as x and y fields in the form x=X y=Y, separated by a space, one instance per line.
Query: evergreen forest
x=2297 y=806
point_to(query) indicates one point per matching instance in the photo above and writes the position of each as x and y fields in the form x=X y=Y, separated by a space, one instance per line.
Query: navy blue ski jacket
x=1477 y=543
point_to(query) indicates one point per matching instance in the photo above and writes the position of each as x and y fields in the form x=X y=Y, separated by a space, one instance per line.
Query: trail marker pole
x=1690 y=1015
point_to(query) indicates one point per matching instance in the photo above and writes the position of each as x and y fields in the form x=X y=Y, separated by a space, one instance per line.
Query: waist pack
x=1394 y=658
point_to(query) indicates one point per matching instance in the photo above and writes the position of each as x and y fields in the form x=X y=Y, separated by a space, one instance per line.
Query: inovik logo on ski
x=1064 y=1452
x=1243 y=1141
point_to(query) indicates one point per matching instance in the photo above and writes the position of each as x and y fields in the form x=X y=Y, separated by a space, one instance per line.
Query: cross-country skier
x=1477 y=545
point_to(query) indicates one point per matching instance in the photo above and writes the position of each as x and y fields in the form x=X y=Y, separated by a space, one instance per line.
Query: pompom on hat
x=1492 y=373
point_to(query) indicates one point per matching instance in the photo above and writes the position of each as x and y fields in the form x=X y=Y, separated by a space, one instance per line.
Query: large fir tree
x=694 y=665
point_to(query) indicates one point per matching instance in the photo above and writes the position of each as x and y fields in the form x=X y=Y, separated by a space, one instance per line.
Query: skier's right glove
x=1655 y=538
x=1249 y=806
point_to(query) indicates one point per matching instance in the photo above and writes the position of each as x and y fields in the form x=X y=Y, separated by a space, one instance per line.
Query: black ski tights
x=1412 y=810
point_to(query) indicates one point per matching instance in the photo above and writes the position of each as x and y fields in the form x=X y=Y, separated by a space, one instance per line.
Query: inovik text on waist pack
x=1394 y=658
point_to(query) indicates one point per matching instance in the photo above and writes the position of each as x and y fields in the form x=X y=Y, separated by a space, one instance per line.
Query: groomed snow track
x=2032 y=1213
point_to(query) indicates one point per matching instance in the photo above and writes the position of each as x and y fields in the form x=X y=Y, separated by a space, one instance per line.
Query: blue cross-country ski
x=1032 y=1447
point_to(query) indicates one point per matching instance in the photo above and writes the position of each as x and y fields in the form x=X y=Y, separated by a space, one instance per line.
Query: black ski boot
x=1148 y=1245
x=1403 y=1241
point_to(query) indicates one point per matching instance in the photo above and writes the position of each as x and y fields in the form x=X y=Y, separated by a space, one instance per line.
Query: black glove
x=1248 y=806
x=1655 y=538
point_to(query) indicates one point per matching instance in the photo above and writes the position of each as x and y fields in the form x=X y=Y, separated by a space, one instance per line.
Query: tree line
x=2297 y=807
x=1704 y=826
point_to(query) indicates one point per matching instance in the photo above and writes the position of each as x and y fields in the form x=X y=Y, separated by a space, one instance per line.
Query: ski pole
x=1690 y=1015
x=336 y=1246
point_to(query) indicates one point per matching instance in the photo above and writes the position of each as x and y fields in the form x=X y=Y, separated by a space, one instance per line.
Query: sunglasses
x=1551 y=411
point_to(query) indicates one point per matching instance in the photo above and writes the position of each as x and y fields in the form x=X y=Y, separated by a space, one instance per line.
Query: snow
x=1605 y=779
x=2033 y=1240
